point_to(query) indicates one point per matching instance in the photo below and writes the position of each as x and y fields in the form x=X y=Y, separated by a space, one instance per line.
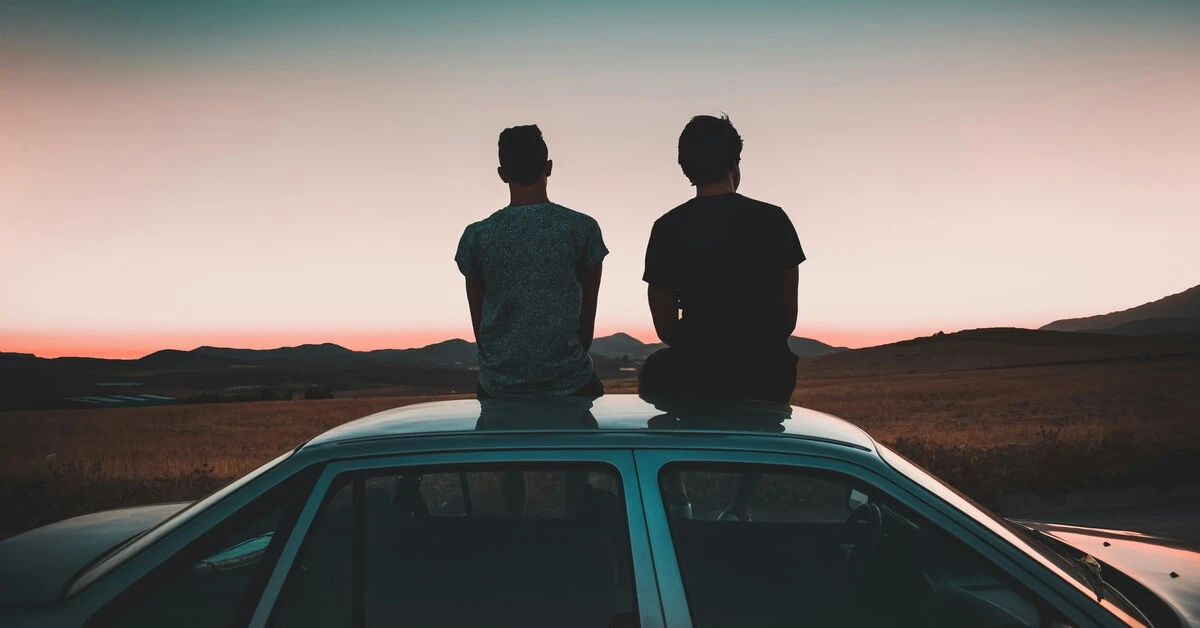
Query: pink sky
x=941 y=176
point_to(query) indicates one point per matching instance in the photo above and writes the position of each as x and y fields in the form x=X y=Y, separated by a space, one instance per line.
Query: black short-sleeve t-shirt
x=725 y=256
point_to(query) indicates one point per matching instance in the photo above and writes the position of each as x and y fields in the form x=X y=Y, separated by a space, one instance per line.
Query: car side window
x=477 y=545
x=765 y=546
x=318 y=590
x=216 y=580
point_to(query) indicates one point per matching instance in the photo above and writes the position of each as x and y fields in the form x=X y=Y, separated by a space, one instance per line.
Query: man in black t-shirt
x=730 y=264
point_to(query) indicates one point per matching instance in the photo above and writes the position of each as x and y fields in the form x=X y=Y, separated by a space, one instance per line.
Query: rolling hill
x=996 y=348
x=620 y=345
x=1175 y=313
x=807 y=347
x=453 y=353
x=309 y=352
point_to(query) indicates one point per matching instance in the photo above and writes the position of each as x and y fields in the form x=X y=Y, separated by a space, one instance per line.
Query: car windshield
x=1020 y=537
x=131 y=547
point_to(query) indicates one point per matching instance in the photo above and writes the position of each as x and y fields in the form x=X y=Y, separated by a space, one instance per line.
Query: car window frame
x=85 y=597
x=646 y=592
x=130 y=550
x=1001 y=528
x=651 y=463
x=148 y=583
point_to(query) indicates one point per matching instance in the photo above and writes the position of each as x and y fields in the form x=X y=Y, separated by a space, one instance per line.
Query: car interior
x=835 y=556
x=458 y=555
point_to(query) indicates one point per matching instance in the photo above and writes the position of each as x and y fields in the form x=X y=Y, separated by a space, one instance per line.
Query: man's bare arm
x=475 y=302
x=664 y=310
x=791 y=289
x=590 y=281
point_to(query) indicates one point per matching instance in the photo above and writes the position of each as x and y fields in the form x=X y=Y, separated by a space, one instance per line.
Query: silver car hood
x=36 y=565
x=1167 y=568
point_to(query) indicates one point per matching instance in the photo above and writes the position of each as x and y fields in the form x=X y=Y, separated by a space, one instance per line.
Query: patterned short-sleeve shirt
x=529 y=258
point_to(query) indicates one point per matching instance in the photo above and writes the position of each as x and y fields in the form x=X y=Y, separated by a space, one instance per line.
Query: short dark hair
x=709 y=148
x=523 y=154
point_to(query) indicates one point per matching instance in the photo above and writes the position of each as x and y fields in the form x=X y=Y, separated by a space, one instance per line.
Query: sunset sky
x=260 y=174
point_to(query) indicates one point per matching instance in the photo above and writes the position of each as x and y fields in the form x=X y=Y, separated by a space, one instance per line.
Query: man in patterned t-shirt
x=533 y=276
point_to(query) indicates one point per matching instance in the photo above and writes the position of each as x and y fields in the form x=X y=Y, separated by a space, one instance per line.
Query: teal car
x=619 y=511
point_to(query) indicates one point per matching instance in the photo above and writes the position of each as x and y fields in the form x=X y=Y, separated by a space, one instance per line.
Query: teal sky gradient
x=171 y=172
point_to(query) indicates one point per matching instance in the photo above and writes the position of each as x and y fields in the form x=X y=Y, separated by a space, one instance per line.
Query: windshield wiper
x=1089 y=570
x=1091 y=575
x=1086 y=566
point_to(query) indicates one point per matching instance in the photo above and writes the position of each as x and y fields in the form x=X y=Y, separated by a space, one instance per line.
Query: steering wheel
x=857 y=543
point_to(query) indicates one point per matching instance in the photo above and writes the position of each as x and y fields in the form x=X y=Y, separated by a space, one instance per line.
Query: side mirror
x=245 y=553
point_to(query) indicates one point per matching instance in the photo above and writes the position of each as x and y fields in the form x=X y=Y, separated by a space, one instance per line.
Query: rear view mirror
x=857 y=498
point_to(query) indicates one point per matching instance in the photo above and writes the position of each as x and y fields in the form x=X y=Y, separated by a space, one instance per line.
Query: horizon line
x=133 y=345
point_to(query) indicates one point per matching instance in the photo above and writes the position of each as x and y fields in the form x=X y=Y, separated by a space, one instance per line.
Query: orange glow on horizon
x=130 y=344
x=136 y=344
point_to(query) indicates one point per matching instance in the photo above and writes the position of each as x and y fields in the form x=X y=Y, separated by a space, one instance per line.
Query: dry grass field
x=60 y=463
x=990 y=431
x=1045 y=429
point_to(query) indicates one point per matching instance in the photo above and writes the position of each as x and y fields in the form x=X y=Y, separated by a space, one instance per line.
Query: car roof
x=609 y=413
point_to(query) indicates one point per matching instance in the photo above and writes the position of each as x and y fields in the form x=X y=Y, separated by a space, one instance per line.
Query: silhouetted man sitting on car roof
x=730 y=263
x=533 y=276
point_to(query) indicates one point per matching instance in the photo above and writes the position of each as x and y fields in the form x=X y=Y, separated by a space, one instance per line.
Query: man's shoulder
x=566 y=213
x=471 y=232
x=483 y=223
x=676 y=214
x=757 y=204
x=512 y=222
x=693 y=209
x=493 y=222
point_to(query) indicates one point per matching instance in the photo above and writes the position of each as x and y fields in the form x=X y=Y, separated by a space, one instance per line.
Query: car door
x=496 y=538
x=763 y=539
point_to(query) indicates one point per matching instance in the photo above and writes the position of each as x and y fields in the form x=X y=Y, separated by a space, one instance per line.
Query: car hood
x=36 y=565
x=1169 y=569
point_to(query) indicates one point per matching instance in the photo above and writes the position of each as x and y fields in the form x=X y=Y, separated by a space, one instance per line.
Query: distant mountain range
x=621 y=345
x=447 y=354
x=224 y=373
x=1173 y=314
x=455 y=353
x=1178 y=313
x=208 y=373
x=232 y=374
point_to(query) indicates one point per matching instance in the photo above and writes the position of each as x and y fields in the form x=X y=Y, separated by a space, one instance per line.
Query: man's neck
x=714 y=189
x=527 y=195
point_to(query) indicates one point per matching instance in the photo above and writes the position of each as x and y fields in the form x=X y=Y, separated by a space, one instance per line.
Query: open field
x=1046 y=429
x=991 y=431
